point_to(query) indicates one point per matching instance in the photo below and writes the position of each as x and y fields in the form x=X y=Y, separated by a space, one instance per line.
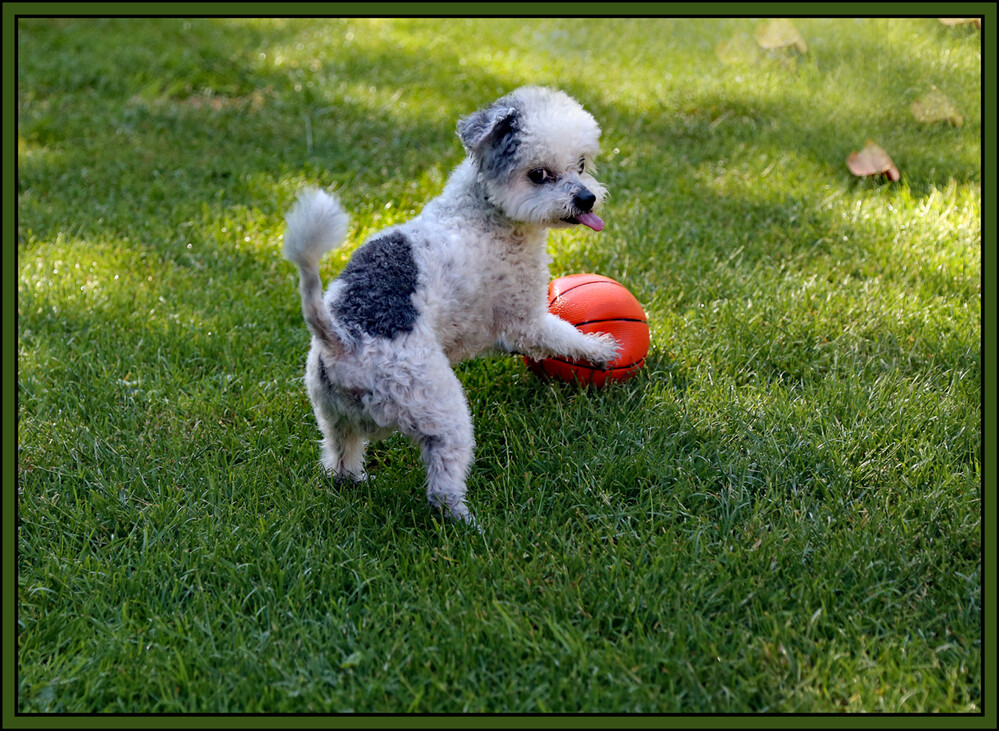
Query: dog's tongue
x=592 y=220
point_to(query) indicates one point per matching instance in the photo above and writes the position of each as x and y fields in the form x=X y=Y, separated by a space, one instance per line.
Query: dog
x=468 y=274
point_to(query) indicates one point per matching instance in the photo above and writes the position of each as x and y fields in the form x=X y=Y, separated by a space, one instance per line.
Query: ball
x=596 y=304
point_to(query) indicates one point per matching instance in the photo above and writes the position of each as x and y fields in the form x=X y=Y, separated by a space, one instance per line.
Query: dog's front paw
x=602 y=349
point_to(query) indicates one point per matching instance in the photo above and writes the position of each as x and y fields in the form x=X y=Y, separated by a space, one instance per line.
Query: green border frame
x=11 y=11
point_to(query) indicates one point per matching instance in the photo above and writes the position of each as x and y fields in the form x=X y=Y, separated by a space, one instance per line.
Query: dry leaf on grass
x=780 y=33
x=961 y=21
x=872 y=160
x=936 y=106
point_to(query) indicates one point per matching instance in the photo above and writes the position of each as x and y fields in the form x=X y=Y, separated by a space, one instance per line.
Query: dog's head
x=534 y=151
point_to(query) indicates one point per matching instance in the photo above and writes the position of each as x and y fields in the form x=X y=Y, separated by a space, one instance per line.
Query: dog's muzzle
x=583 y=202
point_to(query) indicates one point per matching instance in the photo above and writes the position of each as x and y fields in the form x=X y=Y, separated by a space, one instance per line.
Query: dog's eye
x=539 y=176
x=582 y=164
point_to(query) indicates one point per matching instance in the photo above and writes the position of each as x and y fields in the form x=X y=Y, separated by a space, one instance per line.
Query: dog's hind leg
x=344 y=440
x=447 y=458
x=343 y=446
x=435 y=415
x=343 y=452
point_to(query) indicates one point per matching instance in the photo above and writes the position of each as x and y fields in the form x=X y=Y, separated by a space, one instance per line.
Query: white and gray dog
x=467 y=274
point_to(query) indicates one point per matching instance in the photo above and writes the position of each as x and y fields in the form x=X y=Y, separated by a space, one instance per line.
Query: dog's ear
x=487 y=126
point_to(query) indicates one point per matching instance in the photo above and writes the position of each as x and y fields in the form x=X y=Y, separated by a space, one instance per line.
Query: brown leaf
x=961 y=21
x=936 y=106
x=780 y=33
x=872 y=160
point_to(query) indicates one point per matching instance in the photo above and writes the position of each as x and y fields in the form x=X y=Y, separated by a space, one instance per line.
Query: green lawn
x=781 y=513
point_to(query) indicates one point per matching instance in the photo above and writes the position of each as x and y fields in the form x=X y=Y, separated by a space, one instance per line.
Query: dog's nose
x=584 y=200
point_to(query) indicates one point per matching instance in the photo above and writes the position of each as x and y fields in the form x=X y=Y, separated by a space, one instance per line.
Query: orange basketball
x=596 y=304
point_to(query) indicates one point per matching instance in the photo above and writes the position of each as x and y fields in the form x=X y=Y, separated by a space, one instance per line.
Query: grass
x=780 y=513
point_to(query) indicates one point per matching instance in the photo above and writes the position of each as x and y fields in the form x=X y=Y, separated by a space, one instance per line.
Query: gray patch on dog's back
x=379 y=282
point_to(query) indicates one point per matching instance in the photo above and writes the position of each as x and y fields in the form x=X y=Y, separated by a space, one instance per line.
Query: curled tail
x=316 y=223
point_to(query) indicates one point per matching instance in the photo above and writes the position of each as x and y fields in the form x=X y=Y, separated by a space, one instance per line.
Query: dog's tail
x=317 y=223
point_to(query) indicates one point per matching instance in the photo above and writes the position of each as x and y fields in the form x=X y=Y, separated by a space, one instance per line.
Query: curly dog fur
x=468 y=274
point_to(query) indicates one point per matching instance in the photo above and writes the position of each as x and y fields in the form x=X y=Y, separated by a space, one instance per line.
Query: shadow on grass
x=211 y=140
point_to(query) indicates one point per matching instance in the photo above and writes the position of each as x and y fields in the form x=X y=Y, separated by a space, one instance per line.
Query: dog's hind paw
x=459 y=513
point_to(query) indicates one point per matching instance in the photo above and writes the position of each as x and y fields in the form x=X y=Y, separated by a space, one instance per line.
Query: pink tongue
x=592 y=220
